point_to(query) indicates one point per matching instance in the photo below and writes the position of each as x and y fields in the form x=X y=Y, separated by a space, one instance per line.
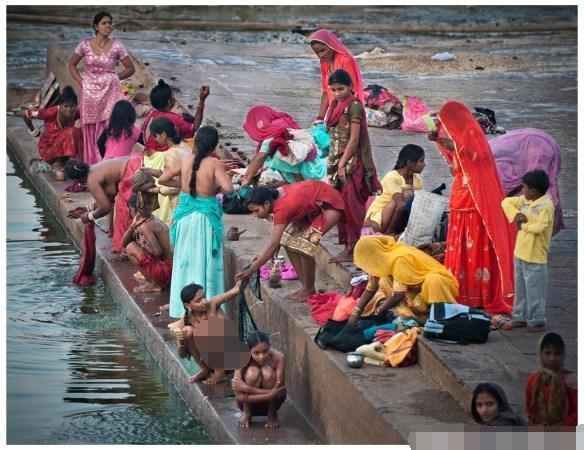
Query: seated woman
x=489 y=407
x=303 y=213
x=266 y=126
x=110 y=183
x=61 y=138
x=260 y=386
x=520 y=151
x=198 y=309
x=147 y=243
x=412 y=279
x=388 y=214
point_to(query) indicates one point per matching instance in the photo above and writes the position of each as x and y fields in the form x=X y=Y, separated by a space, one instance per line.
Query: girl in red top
x=303 y=213
x=61 y=139
x=551 y=394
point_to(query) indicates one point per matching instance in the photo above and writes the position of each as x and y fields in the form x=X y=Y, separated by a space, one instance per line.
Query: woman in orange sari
x=480 y=242
x=334 y=55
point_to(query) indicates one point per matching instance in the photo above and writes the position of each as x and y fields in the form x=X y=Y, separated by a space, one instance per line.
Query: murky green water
x=76 y=371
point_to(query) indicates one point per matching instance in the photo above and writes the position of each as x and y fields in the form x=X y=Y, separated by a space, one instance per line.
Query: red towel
x=322 y=306
x=84 y=275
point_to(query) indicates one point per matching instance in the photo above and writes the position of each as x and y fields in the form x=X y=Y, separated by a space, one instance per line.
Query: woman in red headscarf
x=334 y=55
x=480 y=241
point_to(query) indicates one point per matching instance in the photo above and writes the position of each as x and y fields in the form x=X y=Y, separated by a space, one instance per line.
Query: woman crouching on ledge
x=259 y=387
x=303 y=213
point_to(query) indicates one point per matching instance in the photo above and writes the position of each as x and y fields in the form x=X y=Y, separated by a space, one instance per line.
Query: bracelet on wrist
x=35 y=132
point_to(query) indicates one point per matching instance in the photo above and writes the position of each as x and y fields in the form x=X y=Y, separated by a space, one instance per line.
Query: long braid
x=205 y=142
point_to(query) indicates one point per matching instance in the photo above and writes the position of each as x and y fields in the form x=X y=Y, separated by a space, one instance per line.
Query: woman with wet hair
x=100 y=84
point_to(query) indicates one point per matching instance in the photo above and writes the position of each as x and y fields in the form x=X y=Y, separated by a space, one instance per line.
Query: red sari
x=480 y=241
x=263 y=122
x=342 y=59
x=58 y=140
x=122 y=217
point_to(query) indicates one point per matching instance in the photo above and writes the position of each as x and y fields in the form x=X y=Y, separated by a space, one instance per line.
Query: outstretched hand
x=204 y=93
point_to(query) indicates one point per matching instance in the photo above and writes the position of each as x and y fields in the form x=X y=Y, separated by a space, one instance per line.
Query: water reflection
x=76 y=371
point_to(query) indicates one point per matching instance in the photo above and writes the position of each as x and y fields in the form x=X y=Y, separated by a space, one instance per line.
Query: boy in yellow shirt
x=533 y=214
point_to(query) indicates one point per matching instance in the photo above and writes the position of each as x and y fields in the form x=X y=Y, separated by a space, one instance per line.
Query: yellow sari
x=381 y=256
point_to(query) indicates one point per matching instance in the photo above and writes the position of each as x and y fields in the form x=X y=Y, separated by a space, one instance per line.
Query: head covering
x=381 y=256
x=520 y=151
x=343 y=59
x=480 y=172
x=263 y=122
x=506 y=417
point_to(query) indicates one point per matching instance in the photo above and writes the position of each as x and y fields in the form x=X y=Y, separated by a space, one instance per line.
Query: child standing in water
x=199 y=309
x=350 y=166
x=260 y=387
x=489 y=407
x=551 y=394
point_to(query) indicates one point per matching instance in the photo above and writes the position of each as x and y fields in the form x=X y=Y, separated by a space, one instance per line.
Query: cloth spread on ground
x=84 y=275
x=322 y=306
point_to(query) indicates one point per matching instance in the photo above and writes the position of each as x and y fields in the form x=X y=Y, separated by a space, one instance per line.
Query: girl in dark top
x=489 y=407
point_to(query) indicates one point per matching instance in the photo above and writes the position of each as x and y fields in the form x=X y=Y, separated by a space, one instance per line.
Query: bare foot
x=272 y=422
x=245 y=421
x=300 y=296
x=139 y=276
x=147 y=287
x=345 y=256
x=218 y=377
x=200 y=375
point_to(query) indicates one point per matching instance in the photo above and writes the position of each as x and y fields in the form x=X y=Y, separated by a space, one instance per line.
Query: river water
x=77 y=373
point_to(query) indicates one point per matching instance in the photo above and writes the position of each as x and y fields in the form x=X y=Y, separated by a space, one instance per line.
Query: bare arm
x=256 y=164
x=129 y=68
x=73 y=62
x=103 y=202
x=218 y=300
x=323 y=106
x=129 y=234
x=154 y=247
x=366 y=296
x=267 y=252
x=223 y=179
x=349 y=151
x=280 y=371
x=391 y=302
x=203 y=94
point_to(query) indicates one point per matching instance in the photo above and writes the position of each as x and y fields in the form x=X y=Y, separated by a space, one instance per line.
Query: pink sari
x=343 y=59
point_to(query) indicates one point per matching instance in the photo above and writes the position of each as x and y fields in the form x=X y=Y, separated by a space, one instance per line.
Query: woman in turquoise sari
x=197 y=228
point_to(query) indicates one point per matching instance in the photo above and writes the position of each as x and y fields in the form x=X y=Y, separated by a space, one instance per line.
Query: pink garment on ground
x=322 y=306
x=100 y=90
x=343 y=59
x=91 y=133
x=413 y=112
x=383 y=336
x=263 y=122
x=115 y=148
x=287 y=272
x=520 y=151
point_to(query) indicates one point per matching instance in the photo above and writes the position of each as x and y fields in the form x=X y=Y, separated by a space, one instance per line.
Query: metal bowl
x=355 y=360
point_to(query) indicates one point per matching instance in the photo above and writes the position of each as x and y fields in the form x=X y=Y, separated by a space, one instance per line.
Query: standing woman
x=197 y=227
x=100 y=85
x=334 y=55
x=480 y=241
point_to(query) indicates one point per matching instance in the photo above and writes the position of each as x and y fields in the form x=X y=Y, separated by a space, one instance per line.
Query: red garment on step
x=480 y=241
x=122 y=217
x=158 y=270
x=322 y=306
x=84 y=275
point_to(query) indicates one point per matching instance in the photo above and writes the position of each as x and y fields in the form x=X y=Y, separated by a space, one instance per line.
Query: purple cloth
x=520 y=151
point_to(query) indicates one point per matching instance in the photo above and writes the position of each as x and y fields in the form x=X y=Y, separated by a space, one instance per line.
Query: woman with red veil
x=334 y=55
x=480 y=241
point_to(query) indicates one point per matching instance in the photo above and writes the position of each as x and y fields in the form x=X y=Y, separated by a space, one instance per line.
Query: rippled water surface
x=76 y=371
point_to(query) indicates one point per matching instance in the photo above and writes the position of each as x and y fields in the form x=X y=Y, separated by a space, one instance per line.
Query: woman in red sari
x=61 y=139
x=480 y=242
x=334 y=55
x=350 y=162
x=303 y=213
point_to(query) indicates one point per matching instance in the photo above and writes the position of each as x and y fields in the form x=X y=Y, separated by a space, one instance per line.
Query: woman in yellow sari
x=401 y=277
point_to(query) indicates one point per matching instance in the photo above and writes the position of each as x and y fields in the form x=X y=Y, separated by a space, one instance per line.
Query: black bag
x=457 y=324
x=235 y=203
x=344 y=336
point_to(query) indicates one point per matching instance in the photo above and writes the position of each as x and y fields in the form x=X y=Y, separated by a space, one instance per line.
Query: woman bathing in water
x=260 y=387
x=197 y=310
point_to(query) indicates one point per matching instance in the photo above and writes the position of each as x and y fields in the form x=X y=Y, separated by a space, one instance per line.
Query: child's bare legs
x=188 y=332
x=394 y=219
x=268 y=381
x=135 y=253
x=253 y=378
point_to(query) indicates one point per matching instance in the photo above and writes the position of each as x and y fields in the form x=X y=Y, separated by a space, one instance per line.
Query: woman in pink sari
x=520 y=151
x=480 y=241
x=334 y=55
x=100 y=84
